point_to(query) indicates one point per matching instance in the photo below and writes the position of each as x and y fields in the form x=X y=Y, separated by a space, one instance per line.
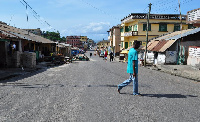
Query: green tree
x=63 y=39
x=54 y=36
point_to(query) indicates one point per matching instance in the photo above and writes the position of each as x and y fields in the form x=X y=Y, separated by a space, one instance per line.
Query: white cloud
x=95 y=27
x=94 y=30
x=98 y=28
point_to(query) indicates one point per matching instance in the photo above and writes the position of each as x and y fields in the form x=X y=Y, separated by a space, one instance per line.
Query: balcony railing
x=131 y=33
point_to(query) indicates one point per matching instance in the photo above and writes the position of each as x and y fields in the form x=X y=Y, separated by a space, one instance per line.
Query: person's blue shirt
x=132 y=56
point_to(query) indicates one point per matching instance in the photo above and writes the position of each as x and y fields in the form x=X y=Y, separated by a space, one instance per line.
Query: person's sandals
x=118 y=91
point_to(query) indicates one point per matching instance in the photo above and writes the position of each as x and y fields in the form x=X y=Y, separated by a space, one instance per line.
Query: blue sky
x=90 y=18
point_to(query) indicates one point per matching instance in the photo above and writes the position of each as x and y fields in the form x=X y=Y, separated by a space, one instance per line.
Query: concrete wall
x=171 y=57
x=116 y=39
x=29 y=59
x=14 y=60
x=194 y=56
x=2 y=54
x=161 y=58
x=191 y=60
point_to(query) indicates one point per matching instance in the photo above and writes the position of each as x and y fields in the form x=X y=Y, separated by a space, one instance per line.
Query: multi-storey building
x=84 y=42
x=84 y=39
x=193 y=17
x=134 y=27
x=104 y=44
x=91 y=42
x=74 y=41
x=115 y=38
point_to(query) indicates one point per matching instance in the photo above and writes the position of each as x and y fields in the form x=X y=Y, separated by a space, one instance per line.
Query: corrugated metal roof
x=8 y=34
x=152 y=45
x=167 y=45
x=169 y=36
x=162 y=43
x=148 y=45
x=22 y=34
x=186 y=33
x=159 y=45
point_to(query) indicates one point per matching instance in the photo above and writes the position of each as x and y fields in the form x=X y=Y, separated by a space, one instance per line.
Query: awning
x=60 y=46
x=124 y=52
x=4 y=40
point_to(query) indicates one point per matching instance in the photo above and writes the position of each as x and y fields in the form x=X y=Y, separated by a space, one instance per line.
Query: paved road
x=87 y=91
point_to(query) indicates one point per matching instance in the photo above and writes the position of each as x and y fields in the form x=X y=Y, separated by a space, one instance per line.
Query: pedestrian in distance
x=105 y=55
x=90 y=55
x=132 y=69
x=111 y=56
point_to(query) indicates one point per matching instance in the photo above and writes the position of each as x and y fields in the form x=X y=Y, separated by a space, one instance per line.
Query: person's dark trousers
x=111 y=58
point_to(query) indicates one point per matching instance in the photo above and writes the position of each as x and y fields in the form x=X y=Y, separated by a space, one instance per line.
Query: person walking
x=105 y=55
x=111 y=56
x=132 y=69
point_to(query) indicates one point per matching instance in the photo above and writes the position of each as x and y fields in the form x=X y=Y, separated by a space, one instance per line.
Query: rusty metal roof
x=22 y=34
x=165 y=41
x=159 y=45
x=153 y=44
x=167 y=45
x=7 y=34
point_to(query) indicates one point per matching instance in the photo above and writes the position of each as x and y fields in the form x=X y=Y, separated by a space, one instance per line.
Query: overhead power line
x=100 y=10
x=35 y=14
x=163 y=6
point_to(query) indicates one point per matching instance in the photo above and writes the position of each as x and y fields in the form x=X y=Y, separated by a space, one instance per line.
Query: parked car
x=101 y=55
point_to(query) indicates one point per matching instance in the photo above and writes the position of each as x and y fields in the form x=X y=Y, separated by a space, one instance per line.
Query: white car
x=101 y=55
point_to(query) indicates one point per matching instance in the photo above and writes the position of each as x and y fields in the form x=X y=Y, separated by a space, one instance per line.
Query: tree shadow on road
x=168 y=95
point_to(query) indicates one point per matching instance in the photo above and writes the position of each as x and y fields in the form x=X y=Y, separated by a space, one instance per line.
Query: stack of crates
x=29 y=59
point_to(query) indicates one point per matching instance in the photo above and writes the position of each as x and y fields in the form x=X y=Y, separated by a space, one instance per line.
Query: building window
x=130 y=44
x=126 y=45
x=122 y=29
x=129 y=28
x=190 y=26
x=122 y=44
x=163 y=27
x=126 y=29
x=145 y=27
x=176 y=27
x=135 y=28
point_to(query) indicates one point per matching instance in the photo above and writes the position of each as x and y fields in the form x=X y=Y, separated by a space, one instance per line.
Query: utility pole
x=181 y=39
x=180 y=14
x=148 y=15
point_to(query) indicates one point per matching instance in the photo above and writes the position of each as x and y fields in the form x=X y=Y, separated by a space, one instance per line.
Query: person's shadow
x=163 y=95
x=168 y=95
